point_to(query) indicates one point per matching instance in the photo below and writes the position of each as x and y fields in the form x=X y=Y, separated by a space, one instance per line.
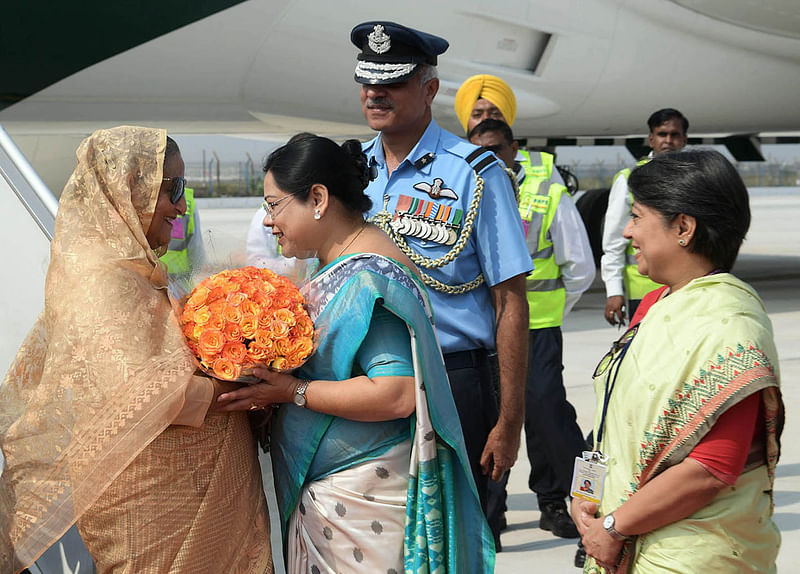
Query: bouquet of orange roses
x=238 y=318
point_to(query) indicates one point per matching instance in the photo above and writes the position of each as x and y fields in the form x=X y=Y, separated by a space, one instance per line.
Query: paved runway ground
x=770 y=261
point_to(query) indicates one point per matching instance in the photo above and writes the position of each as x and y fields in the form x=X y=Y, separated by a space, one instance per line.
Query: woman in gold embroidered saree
x=689 y=409
x=102 y=419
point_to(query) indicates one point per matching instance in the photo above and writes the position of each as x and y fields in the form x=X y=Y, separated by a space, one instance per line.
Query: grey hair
x=427 y=73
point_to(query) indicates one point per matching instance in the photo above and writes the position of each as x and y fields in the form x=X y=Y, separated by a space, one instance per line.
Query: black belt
x=466 y=359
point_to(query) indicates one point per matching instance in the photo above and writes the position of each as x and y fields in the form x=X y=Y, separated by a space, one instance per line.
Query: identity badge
x=588 y=476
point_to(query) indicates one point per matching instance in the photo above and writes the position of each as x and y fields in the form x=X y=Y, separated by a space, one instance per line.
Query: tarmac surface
x=769 y=261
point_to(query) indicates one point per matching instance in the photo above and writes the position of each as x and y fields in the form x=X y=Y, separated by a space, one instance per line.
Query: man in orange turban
x=561 y=251
x=485 y=96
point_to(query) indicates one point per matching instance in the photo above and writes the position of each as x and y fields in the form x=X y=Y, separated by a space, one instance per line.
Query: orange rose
x=295 y=296
x=250 y=308
x=198 y=298
x=217 y=307
x=219 y=279
x=249 y=287
x=264 y=338
x=233 y=332
x=304 y=326
x=202 y=315
x=264 y=319
x=263 y=300
x=211 y=342
x=216 y=293
x=187 y=315
x=267 y=274
x=188 y=330
x=260 y=353
x=234 y=351
x=198 y=330
x=279 y=363
x=283 y=346
x=281 y=301
x=285 y=316
x=226 y=369
x=249 y=326
x=279 y=328
x=236 y=299
x=283 y=282
x=232 y=314
x=207 y=359
x=217 y=321
x=302 y=347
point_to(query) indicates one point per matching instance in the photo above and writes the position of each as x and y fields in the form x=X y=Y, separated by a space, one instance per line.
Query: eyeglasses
x=616 y=348
x=269 y=206
x=178 y=188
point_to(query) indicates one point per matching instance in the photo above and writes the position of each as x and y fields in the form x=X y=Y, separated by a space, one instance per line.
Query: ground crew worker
x=185 y=249
x=668 y=128
x=563 y=270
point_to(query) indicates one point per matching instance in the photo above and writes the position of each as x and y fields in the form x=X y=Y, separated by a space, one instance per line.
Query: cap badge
x=379 y=41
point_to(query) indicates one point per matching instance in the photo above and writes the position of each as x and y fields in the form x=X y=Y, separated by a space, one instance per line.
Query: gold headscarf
x=489 y=88
x=104 y=369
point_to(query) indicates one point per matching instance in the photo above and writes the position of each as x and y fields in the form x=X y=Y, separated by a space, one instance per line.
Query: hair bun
x=353 y=150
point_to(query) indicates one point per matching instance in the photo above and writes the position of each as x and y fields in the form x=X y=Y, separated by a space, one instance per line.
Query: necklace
x=349 y=243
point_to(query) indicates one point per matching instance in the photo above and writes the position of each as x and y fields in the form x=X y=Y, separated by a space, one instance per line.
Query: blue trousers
x=474 y=381
x=552 y=433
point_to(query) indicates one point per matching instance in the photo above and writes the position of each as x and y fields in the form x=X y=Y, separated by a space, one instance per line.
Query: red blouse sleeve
x=647 y=301
x=723 y=451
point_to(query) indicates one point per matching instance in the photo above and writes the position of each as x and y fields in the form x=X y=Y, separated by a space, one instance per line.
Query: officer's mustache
x=379 y=103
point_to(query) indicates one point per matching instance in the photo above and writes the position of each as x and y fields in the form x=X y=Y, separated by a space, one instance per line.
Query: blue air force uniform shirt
x=429 y=195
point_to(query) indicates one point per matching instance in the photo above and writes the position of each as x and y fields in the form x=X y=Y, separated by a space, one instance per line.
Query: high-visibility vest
x=538 y=202
x=636 y=285
x=177 y=255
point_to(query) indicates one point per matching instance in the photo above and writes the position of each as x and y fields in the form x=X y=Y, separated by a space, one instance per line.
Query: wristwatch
x=608 y=524
x=300 y=393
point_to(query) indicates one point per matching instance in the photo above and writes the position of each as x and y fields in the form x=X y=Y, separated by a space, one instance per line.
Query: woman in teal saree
x=368 y=457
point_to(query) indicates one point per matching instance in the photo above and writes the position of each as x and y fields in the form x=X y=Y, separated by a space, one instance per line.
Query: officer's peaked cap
x=392 y=53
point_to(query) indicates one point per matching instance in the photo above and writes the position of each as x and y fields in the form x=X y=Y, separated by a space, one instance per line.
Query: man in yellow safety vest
x=185 y=248
x=563 y=269
x=668 y=128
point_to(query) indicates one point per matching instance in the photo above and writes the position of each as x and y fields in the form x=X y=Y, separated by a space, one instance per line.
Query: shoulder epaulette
x=481 y=159
x=478 y=158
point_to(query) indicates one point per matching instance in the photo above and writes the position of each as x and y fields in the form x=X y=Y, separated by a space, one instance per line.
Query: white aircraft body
x=583 y=71
x=579 y=68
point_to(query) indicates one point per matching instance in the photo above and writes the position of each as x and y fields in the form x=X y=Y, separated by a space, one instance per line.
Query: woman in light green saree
x=368 y=456
x=688 y=489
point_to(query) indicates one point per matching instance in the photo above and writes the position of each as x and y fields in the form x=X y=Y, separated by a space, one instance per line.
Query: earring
x=681 y=242
x=317 y=214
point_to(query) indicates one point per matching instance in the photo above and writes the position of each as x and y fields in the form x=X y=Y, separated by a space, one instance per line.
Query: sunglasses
x=178 y=188
x=616 y=348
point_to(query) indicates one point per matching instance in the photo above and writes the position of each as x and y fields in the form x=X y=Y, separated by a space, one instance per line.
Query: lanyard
x=609 y=389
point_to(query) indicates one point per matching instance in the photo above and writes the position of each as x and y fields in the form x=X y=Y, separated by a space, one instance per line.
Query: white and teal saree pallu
x=316 y=456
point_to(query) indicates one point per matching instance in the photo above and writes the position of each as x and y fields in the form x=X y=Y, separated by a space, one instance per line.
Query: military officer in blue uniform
x=450 y=206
